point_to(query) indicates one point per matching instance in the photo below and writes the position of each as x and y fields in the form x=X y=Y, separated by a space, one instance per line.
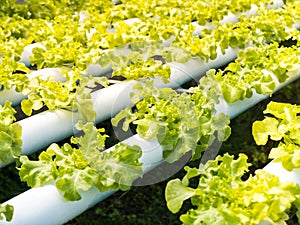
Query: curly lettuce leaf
x=10 y=134
x=222 y=196
x=282 y=124
x=181 y=123
x=74 y=169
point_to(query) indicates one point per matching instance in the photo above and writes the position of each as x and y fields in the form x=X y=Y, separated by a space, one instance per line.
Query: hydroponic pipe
x=93 y=69
x=27 y=53
x=16 y=97
x=184 y=71
x=195 y=68
x=10 y=95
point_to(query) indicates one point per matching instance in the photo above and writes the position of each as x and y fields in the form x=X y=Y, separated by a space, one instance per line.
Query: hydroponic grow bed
x=162 y=51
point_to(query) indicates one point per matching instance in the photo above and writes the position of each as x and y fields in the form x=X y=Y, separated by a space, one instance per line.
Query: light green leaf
x=232 y=93
x=38 y=173
x=176 y=193
x=71 y=180
x=208 y=217
x=261 y=130
x=10 y=134
x=119 y=167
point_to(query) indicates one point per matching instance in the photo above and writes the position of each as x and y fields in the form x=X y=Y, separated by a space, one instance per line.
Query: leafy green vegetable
x=223 y=197
x=82 y=99
x=73 y=169
x=13 y=74
x=10 y=134
x=54 y=94
x=75 y=39
x=254 y=30
x=181 y=122
x=283 y=125
x=138 y=68
x=258 y=68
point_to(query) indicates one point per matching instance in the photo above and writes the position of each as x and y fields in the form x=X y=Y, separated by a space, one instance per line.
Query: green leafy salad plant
x=82 y=167
x=281 y=124
x=223 y=196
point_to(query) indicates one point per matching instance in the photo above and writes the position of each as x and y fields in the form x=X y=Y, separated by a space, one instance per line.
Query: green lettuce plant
x=281 y=124
x=223 y=196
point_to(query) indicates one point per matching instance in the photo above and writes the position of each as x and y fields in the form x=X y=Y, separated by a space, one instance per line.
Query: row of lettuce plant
x=256 y=68
x=138 y=67
x=62 y=32
x=248 y=70
x=181 y=123
x=10 y=141
x=63 y=164
x=59 y=39
x=56 y=94
x=280 y=124
x=35 y=102
x=134 y=67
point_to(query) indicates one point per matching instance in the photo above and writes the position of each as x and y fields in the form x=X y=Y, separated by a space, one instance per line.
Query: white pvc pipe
x=10 y=95
x=93 y=69
x=181 y=72
x=96 y=70
x=48 y=72
x=284 y=175
x=42 y=129
x=27 y=52
x=44 y=205
x=233 y=18
x=47 y=127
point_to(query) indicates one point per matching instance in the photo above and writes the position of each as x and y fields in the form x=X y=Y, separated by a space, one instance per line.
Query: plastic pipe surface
x=284 y=175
